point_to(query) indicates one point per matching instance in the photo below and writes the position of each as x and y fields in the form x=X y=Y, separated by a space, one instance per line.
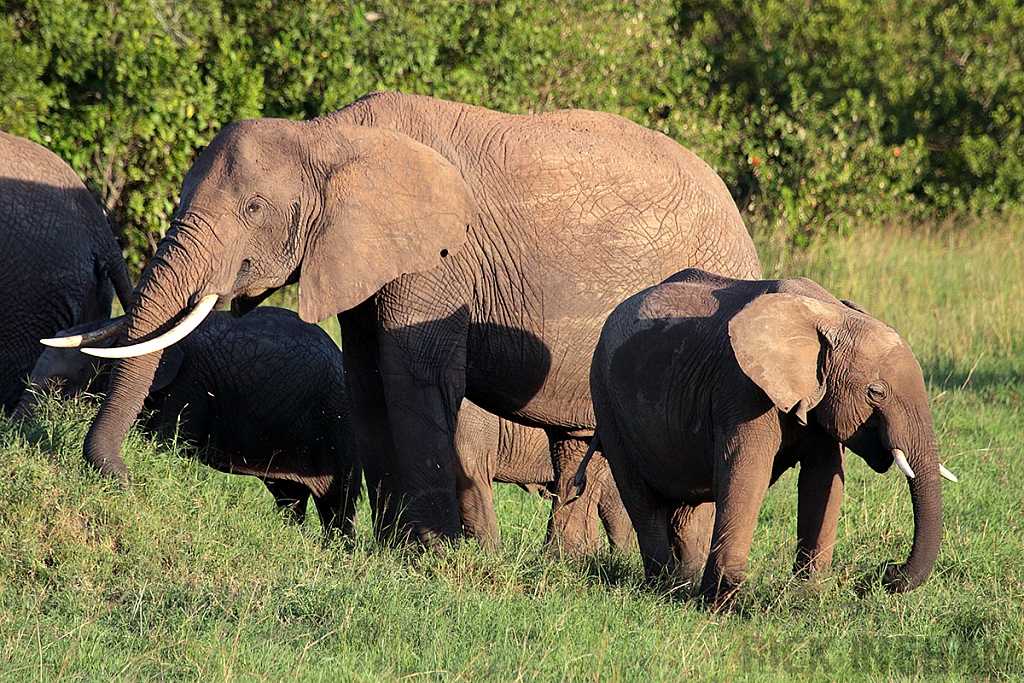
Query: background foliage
x=816 y=114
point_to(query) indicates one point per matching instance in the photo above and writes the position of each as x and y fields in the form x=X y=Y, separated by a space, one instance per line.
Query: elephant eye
x=878 y=391
x=254 y=206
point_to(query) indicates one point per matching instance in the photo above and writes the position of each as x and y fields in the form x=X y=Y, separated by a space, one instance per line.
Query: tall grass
x=190 y=574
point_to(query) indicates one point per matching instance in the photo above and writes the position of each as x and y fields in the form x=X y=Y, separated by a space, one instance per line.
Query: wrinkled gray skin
x=61 y=263
x=493 y=449
x=706 y=389
x=262 y=395
x=468 y=253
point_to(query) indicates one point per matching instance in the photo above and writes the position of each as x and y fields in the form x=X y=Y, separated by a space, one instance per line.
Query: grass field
x=190 y=574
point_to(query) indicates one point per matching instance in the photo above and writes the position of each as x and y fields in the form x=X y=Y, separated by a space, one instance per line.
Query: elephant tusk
x=946 y=474
x=172 y=336
x=901 y=461
x=73 y=341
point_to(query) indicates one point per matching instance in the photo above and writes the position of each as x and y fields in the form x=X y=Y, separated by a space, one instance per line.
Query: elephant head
x=859 y=380
x=71 y=372
x=339 y=208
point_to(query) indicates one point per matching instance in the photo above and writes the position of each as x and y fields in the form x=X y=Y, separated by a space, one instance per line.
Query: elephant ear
x=778 y=343
x=855 y=306
x=391 y=206
x=167 y=370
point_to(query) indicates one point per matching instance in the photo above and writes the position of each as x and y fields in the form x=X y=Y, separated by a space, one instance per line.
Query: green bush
x=126 y=92
x=824 y=112
x=817 y=115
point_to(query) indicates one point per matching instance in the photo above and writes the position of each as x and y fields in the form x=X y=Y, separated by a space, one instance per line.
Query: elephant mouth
x=243 y=276
x=880 y=457
x=250 y=289
x=868 y=444
x=243 y=303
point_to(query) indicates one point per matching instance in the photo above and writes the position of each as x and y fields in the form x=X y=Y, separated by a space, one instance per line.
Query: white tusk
x=901 y=461
x=111 y=329
x=172 y=336
x=946 y=474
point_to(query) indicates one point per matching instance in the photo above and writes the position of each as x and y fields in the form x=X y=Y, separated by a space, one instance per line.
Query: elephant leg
x=820 y=493
x=370 y=424
x=291 y=498
x=646 y=509
x=743 y=471
x=337 y=508
x=614 y=517
x=476 y=463
x=574 y=528
x=691 y=527
x=476 y=502
x=406 y=385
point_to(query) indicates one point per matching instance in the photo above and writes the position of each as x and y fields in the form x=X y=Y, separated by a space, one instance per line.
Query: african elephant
x=492 y=449
x=61 y=263
x=467 y=253
x=706 y=389
x=263 y=395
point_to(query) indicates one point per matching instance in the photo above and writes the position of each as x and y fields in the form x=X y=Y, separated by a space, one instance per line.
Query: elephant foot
x=720 y=594
x=420 y=520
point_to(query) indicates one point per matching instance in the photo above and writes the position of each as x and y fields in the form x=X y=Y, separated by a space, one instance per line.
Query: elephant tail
x=117 y=271
x=580 y=480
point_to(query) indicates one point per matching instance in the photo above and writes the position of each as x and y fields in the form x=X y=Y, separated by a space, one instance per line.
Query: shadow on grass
x=984 y=374
x=613 y=569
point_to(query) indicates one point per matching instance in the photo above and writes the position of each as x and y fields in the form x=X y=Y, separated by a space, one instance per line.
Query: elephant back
x=58 y=253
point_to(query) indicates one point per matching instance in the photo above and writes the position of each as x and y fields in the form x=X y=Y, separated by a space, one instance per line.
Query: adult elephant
x=61 y=263
x=492 y=449
x=262 y=395
x=467 y=253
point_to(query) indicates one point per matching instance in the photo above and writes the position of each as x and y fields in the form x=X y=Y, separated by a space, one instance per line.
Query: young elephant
x=706 y=389
x=492 y=449
x=263 y=395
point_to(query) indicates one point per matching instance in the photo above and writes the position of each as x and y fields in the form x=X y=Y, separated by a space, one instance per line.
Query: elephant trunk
x=27 y=404
x=163 y=293
x=926 y=495
x=129 y=385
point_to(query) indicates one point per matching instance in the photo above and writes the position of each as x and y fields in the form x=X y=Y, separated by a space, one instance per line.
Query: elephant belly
x=675 y=464
x=536 y=378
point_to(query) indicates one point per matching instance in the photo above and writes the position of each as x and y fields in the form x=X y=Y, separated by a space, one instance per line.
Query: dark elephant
x=61 y=263
x=492 y=449
x=706 y=389
x=468 y=253
x=262 y=395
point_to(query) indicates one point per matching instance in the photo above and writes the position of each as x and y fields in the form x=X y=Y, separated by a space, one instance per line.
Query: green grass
x=189 y=574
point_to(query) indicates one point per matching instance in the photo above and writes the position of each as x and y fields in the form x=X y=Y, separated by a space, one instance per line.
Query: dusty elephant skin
x=262 y=395
x=61 y=264
x=492 y=449
x=707 y=389
x=468 y=253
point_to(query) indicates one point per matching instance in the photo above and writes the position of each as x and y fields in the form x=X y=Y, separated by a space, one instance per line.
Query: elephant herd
x=490 y=274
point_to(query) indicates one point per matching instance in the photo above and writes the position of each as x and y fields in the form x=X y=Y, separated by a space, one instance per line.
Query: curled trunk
x=158 y=301
x=926 y=494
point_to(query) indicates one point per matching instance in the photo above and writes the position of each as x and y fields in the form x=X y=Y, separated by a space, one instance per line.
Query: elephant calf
x=706 y=389
x=262 y=395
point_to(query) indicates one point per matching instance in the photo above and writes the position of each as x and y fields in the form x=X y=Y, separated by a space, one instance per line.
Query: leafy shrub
x=844 y=108
x=125 y=93
x=816 y=115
